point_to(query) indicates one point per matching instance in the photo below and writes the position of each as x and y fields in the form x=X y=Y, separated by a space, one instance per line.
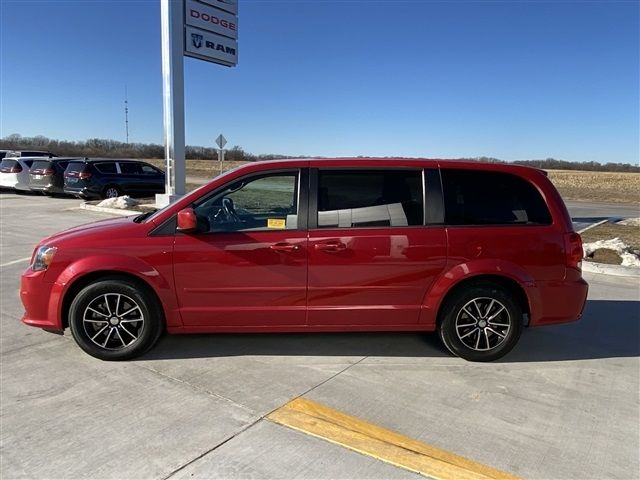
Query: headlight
x=43 y=258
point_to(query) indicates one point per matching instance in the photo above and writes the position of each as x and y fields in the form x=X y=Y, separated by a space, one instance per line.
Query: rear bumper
x=558 y=302
x=83 y=192
x=46 y=188
x=40 y=301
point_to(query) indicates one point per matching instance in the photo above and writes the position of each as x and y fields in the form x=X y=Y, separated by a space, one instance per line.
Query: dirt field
x=597 y=186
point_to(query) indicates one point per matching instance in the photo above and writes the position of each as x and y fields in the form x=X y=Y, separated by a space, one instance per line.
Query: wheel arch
x=88 y=278
x=506 y=283
x=505 y=274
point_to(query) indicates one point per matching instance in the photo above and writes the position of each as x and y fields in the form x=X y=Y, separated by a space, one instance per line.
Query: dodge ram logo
x=196 y=40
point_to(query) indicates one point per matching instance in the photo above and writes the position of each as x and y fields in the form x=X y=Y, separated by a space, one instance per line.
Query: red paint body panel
x=377 y=279
x=351 y=279
x=236 y=279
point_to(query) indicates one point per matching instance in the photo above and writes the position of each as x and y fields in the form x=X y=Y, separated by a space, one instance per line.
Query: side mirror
x=187 y=221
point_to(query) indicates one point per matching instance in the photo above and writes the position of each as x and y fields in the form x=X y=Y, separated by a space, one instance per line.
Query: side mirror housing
x=187 y=221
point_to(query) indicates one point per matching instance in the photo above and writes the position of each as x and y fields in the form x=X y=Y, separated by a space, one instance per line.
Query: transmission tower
x=126 y=113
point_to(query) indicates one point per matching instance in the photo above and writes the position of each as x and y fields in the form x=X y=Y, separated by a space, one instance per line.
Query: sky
x=447 y=79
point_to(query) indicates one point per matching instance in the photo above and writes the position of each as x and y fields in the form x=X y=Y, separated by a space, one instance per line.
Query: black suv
x=46 y=175
x=108 y=178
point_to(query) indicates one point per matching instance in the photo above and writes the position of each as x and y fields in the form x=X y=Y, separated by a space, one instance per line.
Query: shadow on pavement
x=608 y=329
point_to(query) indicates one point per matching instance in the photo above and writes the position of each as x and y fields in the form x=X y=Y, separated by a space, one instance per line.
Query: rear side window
x=474 y=197
x=106 y=167
x=130 y=168
x=370 y=198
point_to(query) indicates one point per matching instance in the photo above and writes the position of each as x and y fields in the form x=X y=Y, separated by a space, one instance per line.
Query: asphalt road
x=563 y=404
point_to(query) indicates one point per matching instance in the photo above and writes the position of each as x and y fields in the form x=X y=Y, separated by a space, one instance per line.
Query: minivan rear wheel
x=481 y=323
x=115 y=319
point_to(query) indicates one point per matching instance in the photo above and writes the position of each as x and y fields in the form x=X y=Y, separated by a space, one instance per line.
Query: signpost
x=221 y=142
x=206 y=30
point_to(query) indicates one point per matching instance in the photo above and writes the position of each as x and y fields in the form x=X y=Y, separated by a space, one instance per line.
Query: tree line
x=99 y=147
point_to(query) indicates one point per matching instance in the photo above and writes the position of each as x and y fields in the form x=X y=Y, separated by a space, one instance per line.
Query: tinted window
x=130 y=168
x=370 y=198
x=149 y=170
x=75 y=167
x=491 y=198
x=7 y=165
x=106 y=167
x=268 y=202
x=41 y=165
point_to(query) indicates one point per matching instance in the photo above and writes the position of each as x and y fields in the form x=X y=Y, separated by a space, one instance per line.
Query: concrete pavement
x=563 y=404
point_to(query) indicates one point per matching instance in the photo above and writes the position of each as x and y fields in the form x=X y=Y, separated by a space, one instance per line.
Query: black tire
x=111 y=191
x=481 y=323
x=115 y=319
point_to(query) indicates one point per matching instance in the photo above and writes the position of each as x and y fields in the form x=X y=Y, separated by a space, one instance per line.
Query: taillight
x=84 y=175
x=48 y=172
x=573 y=250
x=15 y=169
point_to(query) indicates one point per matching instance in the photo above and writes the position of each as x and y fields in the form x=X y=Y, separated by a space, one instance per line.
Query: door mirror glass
x=187 y=221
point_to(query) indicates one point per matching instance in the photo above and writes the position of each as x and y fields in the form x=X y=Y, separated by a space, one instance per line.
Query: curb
x=114 y=211
x=615 y=270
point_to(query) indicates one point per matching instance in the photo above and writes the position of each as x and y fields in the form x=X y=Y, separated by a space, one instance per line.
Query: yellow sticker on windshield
x=276 y=223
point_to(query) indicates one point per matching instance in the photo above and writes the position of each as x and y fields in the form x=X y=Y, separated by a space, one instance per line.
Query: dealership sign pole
x=172 y=21
x=206 y=30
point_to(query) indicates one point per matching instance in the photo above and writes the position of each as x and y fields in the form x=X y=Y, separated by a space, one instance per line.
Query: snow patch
x=123 y=202
x=634 y=222
x=629 y=257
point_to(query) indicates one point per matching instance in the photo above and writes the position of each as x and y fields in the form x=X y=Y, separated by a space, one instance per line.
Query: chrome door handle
x=330 y=246
x=284 y=247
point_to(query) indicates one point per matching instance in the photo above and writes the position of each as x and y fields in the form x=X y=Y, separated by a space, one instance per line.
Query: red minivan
x=474 y=251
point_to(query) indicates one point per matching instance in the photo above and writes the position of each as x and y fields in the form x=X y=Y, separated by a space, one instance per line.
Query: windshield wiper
x=142 y=216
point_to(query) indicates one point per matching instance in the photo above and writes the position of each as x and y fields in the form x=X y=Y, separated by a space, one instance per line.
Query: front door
x=247 y=265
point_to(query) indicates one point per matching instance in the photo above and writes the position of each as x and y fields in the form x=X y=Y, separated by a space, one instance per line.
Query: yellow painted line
x=390 y=447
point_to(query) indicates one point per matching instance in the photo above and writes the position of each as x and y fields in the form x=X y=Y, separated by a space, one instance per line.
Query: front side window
x=267 y=202
x=370 y=198
x=149 y=170
x=474 y=197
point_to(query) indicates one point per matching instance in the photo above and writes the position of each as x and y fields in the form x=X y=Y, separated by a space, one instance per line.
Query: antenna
x=126 y=113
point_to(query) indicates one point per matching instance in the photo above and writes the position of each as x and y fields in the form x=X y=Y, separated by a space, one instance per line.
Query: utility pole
x=126 y=113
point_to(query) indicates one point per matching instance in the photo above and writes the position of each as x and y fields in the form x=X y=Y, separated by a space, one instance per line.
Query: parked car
x=14 y=173
x=30 y=153
x=46 y=175
x=108 y=178
x=474 y=251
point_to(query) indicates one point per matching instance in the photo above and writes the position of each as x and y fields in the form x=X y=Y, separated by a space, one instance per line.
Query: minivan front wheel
x=481 y=323
x=111 y=192
x=115 y=319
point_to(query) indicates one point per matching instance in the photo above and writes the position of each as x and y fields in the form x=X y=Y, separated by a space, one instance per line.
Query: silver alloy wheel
x=113 y=321
x=111 y=192
x=483 y=324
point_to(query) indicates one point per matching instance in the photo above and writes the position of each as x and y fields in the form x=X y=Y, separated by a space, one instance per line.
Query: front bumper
x=40 y=300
